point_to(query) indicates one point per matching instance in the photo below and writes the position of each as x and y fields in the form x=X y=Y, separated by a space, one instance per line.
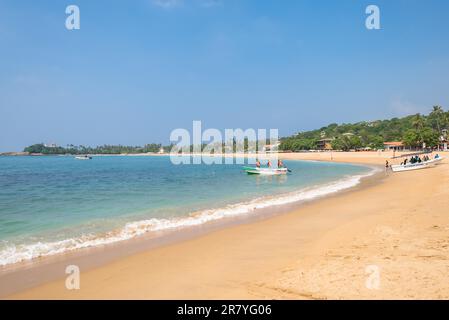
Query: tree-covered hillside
x=412 y=130
x=106 y=149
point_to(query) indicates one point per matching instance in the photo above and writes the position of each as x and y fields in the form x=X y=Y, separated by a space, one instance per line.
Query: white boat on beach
x=417 y=165
x=409 y=166
x=85 y=157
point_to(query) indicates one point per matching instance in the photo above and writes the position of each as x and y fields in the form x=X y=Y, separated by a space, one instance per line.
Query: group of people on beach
x=413 y=160
x=280 y=163
x=417 y=159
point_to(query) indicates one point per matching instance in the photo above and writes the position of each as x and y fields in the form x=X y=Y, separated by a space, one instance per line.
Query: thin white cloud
x=167 y=3
x=210 y=3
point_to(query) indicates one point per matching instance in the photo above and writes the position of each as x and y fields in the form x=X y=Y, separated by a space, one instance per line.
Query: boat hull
x=435 y=161
x=265 y=171
x=407 y=167
x=416 y=166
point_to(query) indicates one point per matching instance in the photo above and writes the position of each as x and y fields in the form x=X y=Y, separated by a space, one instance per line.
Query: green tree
x=411 y=138
x=418 y=122
x=346 y=143
x=430 y=137
x=35 y=148
x=436 y=118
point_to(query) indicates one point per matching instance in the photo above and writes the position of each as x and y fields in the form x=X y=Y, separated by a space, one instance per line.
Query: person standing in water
x=280 y=164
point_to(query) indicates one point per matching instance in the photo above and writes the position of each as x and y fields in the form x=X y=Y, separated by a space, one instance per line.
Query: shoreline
x=281 y=154
x=153 y=228
x=231 y=229
x=49 y=265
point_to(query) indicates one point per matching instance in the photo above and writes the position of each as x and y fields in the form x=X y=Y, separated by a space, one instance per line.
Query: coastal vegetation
x=413 y=131
x=41 y=148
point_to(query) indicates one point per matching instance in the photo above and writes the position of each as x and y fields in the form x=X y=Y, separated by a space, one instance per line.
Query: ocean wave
x=16 y=253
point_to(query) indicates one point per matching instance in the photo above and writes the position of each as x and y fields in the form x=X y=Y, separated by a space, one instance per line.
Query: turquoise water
x=52 y=204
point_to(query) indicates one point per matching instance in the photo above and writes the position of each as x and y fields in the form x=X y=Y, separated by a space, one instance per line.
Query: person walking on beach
x=387 y=165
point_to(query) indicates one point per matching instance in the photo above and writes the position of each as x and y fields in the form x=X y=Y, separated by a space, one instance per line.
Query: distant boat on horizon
x=85 y=157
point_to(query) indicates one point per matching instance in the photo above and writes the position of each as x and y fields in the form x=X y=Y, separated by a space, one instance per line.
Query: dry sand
x=395 y=230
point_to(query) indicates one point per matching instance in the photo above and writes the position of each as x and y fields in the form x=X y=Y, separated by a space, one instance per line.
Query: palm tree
x=437 y=115
x=444 y=118
x=418 y=122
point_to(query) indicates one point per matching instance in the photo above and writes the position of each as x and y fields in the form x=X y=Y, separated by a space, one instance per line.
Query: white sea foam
x=17 y=253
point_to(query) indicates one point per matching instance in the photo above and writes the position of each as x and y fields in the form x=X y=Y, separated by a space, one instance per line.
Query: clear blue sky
x=138 y=69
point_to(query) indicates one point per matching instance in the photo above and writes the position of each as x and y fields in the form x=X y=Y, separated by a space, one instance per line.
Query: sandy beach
x=385 y=239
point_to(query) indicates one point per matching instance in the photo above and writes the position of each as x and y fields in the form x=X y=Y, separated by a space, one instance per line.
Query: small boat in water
x=85 y=157
x=265 y=171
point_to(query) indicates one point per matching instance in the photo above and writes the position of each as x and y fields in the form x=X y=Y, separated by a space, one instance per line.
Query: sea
x=54 y=204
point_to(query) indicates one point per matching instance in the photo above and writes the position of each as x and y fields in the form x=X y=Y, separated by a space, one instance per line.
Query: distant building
x=324 y=144
x=394 y=145
x=161 y=150
x=50 y=145
x=271 y=147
